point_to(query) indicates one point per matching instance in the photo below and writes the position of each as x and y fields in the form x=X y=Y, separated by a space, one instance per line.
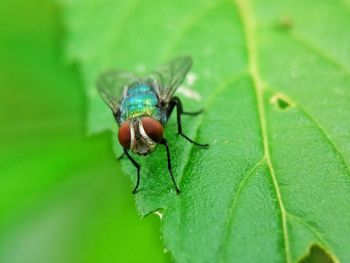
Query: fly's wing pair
x=167 y=78
x=111 y=86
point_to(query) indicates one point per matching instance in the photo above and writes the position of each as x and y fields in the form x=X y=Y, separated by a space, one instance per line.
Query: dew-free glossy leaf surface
x=274 y=78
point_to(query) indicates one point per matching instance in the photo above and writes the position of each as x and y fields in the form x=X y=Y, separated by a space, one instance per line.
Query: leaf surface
x=274 y=79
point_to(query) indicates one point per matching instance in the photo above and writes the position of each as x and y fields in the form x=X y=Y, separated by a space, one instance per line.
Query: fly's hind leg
x=192 y=113
x=176 y=102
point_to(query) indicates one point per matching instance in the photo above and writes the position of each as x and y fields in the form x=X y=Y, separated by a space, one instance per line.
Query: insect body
x=142 y=106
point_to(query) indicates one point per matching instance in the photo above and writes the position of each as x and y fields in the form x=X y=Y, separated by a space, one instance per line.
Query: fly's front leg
x=165 y=143
x=138 y=170
x=176 y=102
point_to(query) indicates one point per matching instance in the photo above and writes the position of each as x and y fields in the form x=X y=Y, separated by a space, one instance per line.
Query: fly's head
x=140 y=135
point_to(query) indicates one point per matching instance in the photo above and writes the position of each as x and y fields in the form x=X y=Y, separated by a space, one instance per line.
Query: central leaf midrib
x=248 y=24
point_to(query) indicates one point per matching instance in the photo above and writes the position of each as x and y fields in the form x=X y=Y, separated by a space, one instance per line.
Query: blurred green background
x=63 y=197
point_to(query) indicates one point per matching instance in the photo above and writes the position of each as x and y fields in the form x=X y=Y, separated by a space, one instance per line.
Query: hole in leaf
x=282 y=104
x=317 y=255
x=281 y=101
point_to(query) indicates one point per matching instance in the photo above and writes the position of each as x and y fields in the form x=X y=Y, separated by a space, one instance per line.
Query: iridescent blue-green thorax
x=139 y=100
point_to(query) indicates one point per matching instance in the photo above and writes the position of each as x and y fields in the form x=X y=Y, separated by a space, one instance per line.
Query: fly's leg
x=138 y=170
x=176 y=102
x=165 y=143
x=192 y=113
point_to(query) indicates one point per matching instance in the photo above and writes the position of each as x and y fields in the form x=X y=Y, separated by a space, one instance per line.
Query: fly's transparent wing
x=169 y=77
x=111 y=86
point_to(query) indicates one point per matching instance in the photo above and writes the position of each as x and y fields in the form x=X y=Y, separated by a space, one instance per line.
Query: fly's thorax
x=140 y=135
x=139 y=99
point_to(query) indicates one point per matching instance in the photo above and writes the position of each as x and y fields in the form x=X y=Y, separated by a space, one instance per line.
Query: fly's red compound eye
x=153 y=128
x=124 y=135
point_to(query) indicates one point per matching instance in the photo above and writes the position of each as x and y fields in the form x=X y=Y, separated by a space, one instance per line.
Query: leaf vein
x=317 y=234
x=320 y=52
x=318 y=126
x=221 y=87
x=325 y=135
x=248 y=23
x=233 y=204
x=311 y=228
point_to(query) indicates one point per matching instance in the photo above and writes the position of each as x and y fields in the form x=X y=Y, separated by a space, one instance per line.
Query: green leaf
x=62 y=196
x=274 y=79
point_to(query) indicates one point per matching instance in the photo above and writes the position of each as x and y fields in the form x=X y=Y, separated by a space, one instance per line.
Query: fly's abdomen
x=140 y=100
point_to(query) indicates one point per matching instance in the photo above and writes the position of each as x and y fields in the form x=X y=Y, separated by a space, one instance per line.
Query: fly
x=142 y=106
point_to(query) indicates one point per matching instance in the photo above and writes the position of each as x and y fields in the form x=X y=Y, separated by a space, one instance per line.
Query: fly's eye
x=124 y=135
x=153 y=128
